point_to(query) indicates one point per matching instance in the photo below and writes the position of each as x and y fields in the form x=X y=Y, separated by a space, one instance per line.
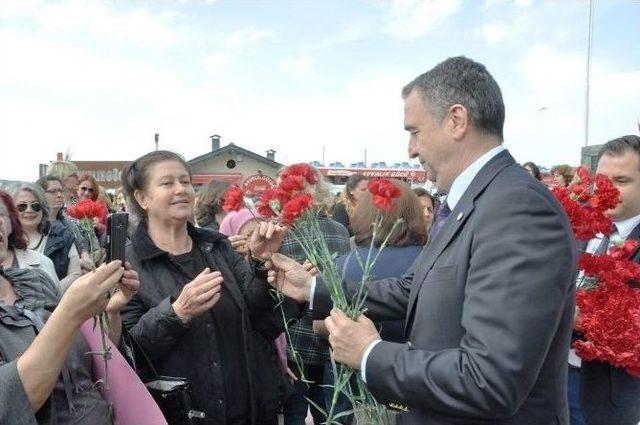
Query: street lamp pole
x=588 y=71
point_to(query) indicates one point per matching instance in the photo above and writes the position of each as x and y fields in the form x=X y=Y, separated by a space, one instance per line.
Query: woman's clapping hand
x=198 y=296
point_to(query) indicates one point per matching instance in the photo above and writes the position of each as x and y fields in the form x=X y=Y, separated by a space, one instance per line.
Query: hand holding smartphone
x=117 y=226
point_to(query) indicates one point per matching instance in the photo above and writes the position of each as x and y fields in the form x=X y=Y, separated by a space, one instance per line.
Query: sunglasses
x=86 y=189
x=35 y=206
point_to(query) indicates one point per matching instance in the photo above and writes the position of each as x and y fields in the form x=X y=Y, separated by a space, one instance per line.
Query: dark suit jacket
x=609 y=395
x=488 y=306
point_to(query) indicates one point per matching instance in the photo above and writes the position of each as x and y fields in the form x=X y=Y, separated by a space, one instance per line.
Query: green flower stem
x=86 y=227
x=308 y=234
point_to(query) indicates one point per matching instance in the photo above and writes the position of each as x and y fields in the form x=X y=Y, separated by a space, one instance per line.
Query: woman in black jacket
x=202 y=312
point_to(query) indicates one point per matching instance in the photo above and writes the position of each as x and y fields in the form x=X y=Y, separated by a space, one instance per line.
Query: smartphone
x=117 y=226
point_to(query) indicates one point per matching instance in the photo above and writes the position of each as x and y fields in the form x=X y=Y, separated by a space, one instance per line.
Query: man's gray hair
x=460 y=80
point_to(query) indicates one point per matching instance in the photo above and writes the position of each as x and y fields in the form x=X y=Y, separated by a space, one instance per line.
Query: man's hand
x=266 y=240
x=308 y=266
x=349 y=339
x=289 y=277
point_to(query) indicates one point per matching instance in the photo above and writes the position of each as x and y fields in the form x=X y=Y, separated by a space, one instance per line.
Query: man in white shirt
x=488 y=331
x=610 y=395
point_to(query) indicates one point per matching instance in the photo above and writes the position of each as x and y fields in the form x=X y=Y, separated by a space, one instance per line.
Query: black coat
x=191 y=351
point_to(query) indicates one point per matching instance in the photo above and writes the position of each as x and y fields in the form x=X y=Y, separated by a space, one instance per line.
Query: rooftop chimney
x=271 y=154
x=215 y=142
x=59 y=156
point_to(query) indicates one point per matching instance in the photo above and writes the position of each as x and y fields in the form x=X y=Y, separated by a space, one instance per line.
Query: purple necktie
x=441 y=216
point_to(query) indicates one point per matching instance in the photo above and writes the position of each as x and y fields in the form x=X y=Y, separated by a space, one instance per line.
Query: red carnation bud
x=233 y=199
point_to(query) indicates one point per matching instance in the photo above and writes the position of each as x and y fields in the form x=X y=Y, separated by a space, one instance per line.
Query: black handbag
x=172 y=394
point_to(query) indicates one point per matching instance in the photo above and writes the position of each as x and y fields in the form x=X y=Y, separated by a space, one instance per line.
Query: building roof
x=234 y=149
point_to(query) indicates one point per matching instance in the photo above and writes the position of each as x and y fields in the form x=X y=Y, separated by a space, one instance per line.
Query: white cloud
x=248 y=37
x=555 y=80
x=415 y=18
x=217 y=62
x=493 y=33
x=488 y=4
x=302 y=66
x=551 y=74
x=96 y=19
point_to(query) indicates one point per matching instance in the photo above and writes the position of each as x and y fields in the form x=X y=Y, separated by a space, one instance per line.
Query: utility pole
x=157 y=140
x=588 y=72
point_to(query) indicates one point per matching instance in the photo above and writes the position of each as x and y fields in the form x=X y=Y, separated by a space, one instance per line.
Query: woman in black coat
x=202 y=312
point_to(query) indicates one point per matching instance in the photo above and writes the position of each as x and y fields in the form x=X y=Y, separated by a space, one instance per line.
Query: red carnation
x=585 y=177
x=88 y=209
x=295 y=208
x=384 y=192
x=233 y=199
x=606 y=195
x=301 y=170
x=586 y=203
x=292 y=183
x=265 y=204
x=609 y=320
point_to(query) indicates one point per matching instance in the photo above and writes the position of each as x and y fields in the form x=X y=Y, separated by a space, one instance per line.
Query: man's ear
x=458 y=121
x=140 y=198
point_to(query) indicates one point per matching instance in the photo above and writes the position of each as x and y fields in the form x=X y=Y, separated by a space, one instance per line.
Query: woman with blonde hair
x=68 y=173
x=354 y=188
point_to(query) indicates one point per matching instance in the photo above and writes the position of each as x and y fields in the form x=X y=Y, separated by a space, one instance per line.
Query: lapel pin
x=459 y=216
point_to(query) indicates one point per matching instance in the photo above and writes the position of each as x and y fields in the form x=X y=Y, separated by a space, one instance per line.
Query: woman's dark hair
x=94 y=185
x=43 y=182
x=210 y=202
x=17 y=239
x=410 y=231
x=135 y=176
x=534 y=169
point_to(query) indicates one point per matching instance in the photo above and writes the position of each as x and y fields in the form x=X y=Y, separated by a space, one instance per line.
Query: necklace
x=35 y=248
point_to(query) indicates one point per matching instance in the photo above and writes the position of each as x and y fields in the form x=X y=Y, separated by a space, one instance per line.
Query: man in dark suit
x=610 y=395
x=488 y=304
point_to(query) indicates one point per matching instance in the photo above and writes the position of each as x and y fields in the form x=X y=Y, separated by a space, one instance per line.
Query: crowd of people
x=467 y=327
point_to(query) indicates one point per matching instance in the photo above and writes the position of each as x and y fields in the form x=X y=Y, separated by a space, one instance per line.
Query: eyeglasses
x=54 y=191
x=86 y=189
x=35 y=207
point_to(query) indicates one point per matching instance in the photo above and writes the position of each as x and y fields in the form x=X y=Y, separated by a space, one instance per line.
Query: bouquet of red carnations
x=608 y=294
x=291 y=203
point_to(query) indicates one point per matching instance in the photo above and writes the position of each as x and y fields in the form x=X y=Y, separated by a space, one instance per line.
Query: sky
x=97 y=79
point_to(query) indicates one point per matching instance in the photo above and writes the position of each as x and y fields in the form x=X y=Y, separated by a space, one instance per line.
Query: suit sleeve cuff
x=363 y=364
